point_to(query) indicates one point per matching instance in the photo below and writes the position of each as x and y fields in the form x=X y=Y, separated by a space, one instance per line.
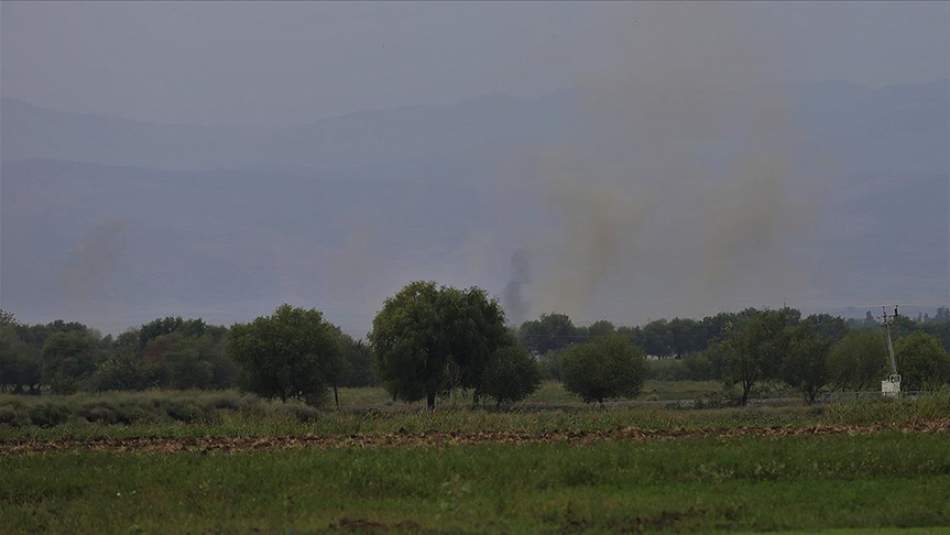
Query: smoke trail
x=88 y=276
x=513 y=298
x=678 y=196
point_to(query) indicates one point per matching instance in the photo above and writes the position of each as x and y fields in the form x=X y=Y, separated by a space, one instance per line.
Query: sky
x=272 y=63
x=632 y=161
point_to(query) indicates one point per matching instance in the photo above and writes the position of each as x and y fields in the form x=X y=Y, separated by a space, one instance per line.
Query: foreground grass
x=805 y=484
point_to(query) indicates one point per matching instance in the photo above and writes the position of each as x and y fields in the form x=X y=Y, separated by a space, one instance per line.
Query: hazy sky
x=660 y=159
x=275 y=63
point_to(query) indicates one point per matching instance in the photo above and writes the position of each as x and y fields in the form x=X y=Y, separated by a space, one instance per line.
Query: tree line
x=752 y=347
x=429 y=340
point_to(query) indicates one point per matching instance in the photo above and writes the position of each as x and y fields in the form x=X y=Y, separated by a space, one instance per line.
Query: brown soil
x=440 y=439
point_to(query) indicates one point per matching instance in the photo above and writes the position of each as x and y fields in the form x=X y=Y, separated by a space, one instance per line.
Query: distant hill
x=120 y=221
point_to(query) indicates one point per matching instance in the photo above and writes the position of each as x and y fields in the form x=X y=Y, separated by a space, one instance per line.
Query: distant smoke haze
x=646 y=221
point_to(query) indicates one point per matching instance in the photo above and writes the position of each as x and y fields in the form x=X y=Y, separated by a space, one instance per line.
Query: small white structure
x=891 y=387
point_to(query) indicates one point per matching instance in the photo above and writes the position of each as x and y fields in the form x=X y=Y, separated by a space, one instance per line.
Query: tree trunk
x=336 y=397
x=430 y=401
x=746 y=389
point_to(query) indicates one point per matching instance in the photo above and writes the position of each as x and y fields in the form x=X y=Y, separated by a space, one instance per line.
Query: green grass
x=888 y=480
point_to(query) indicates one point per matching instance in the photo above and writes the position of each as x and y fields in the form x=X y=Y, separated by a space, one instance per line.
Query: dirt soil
x=439 y=439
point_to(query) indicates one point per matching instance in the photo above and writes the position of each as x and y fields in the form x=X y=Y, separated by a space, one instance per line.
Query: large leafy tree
x=604 y=368
x=756 y=347
x=858 y=361
x=284 y=355
x=921 y=362
x=428 y=339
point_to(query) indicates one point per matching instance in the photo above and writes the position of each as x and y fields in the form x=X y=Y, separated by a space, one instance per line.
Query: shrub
x=511 y=376
x=13 y=415
x=604 y=368
x=49 y=414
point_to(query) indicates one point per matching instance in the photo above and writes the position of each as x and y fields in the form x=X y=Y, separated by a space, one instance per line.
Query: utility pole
x=890 y=387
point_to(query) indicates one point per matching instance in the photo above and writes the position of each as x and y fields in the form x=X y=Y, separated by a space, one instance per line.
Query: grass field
x=885 y=480
x=239 y=464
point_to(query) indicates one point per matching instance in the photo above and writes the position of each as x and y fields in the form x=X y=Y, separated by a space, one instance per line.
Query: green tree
x=655 y=338
x=921 y=362
x=756 y=348
x=604 y=368
x=858 y=361
x=511 y=376
x=832 y=328
x=20 y=366
x=69 y=357
x=685 y=336
x=428 y=339
x=282 y=354
x=548 y=333
x=7 y=319
x=805 y=365
x=600 y=328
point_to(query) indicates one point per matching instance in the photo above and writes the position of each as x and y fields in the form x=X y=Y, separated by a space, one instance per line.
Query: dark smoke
x=514 y=300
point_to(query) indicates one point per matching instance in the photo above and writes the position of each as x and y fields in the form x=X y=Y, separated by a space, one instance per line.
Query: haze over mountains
x=117 y=222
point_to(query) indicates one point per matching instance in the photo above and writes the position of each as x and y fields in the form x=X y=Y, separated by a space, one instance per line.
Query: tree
x=428 y=339
x=548 y=333
x=805 y=365
x=7 y=319
x=282 y=355
x=756 y=347
x=600 y=328
x=921 y=362
x=20 y=367
x=685 y=336
x=604 y=368
x=69 y=357
x=858 y=361
x=655 y=338
x=163 y=326
x=511 y=376
x=832 y=328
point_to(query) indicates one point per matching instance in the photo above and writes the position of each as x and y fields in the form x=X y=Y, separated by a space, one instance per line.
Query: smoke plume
x=648 y=217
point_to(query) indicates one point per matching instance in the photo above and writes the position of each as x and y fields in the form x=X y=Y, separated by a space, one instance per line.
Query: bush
x=13 y=415
x=604 y=368
x=49 y=414
x=99 y=414
x=511 y=376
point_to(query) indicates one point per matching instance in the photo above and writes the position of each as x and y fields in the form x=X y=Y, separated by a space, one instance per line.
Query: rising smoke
x=679 y=195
